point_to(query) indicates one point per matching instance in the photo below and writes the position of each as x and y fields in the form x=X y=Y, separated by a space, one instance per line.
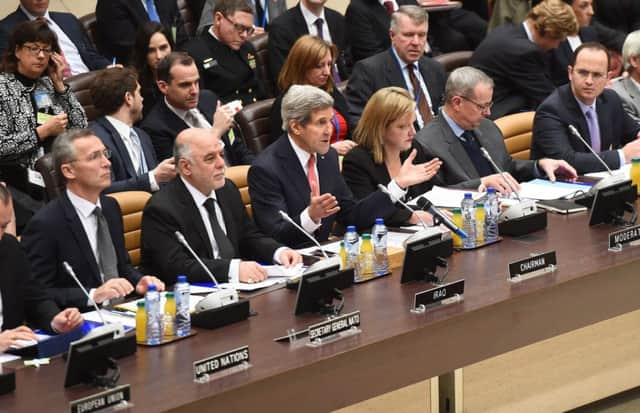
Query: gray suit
x=457 y=170
x=630 y=96
x=274 y=9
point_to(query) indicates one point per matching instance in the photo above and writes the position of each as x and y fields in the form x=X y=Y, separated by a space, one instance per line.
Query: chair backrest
x=517 y=131
x=238 y=174
x=53 y=182
x=131 y=205
x=188 y=17
x=89 y=23
x=254 y=123
x=260 y=44
x=81 y=86
x=454 y=60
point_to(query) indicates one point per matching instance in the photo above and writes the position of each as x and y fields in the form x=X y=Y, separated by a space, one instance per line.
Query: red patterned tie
x=312 y=177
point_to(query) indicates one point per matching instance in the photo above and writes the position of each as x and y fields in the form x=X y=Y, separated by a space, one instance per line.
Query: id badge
x=35 y=178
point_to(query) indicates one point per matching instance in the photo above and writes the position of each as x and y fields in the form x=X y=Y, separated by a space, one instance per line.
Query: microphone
x=287 y=218
x=424 y=203
x=215 y=299
x=407 y=207
x=575 y=133
x=488 y=157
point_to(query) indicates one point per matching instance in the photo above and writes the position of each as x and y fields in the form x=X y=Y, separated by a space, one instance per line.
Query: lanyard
x=336 y=125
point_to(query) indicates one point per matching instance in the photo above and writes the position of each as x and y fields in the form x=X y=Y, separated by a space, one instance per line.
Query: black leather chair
x=260 y=44
x=188 y=16
x=254 y=123
x=81 y=86
x=454 y=60
x=53 y=182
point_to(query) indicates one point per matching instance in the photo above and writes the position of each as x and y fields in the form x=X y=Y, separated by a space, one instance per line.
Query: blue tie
x=472 y=147
x=152 y=12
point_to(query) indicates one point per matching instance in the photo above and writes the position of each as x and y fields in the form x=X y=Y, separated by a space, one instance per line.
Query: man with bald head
x=207 y=209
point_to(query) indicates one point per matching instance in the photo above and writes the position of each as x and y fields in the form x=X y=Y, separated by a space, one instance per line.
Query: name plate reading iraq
x=439 y=294
x=101 y=401
x=334 y=326
x=534 y=263
x=220 y=362
x=625 y=236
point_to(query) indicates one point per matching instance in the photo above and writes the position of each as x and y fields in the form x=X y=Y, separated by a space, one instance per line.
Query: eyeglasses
x=35 y=50
x=482 y=108
x=241 y=28
x=94 y=156
x=585 y=74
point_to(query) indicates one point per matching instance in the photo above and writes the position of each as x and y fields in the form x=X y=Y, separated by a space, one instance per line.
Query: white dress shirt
x=311 y=18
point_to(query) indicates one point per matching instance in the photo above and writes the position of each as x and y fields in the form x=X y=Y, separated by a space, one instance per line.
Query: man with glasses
x=226 y=61
x=596 y=113
x=458 y=135
x=82 y=228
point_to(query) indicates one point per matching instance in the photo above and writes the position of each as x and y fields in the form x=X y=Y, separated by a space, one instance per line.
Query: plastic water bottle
x=351 y=245
x=154 y=322
x=491 y=213
x=468 y=209
x=183 y=318
x=381 y=259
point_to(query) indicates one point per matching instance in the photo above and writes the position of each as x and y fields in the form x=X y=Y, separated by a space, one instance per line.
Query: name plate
x=546 y=261
x=220 y=362
x=439 y=294
x=101 y=401
x=626 y=236
x=334 y=326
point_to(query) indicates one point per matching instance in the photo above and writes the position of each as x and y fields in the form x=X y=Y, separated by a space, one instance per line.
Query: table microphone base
x=527 y=224
x=221 y=316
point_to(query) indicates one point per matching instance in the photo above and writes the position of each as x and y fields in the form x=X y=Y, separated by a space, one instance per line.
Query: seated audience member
x=307 y=17
x=458 y=134
x=514 y=56
x=184 y=106
x=226 y=61
x=22 y=297
x=309 y=63
x=118 y=20
x=79 y=52
x=116 y=96
x=262 y=15
x=82 y=228
x=299 y=174
x=404 y=65
x=594 y=111
x=207 y=209
x=35 y=106
x=386 y=154
x=628 y=88
x=153 y=43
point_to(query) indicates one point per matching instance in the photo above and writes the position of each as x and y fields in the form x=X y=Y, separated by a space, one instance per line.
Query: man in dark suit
x=185 y=105
x=621 y=15
x=226 y=61
x=82 y=228
x=76 y=46
x=594 y=111
x=118 y=21
x=116 y=95
x=628 y=88
x=305 y=18
x=207 y=209
x=403 y=65
x=514 y=57
x=457 y=136
x=21 y=297
x=299 y=174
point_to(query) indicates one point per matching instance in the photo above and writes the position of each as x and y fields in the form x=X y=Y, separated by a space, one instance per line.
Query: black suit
x=552 y=139
x=622 y=15
x=363 y=176
x=291 y=25
x=22 y=296
x=278 y=182
x=163 y=125
x=383 y=70
x=55 y=234
x=71 y=27
x=517 y=66
x=123 y=175
x=173 y=209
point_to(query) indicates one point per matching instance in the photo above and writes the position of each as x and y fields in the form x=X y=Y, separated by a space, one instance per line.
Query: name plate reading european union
x=626 y=236
x=535 y=265
x=442 y=295
x=111 y=400
x=221 y=364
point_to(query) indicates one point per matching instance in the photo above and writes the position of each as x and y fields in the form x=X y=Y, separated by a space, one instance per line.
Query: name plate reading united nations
x=116 y=397
x=536 y=264
x=228 y=362
x=334 y=326
x=626 y=236
x=441 y=295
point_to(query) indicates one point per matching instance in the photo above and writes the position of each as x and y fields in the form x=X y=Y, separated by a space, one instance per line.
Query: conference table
x=396 y=347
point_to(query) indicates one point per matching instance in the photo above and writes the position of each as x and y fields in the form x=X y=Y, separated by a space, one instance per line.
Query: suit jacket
x=22 y=296
x=382 y=70
x=629 y=95
x=173 y=209
x=278 y=182
x=622 y=15
x=363 y=176
x=552 y=139
x=275 y=8
x=517 y=66
x=123 y=176
x=561 y=57
x=289 y=26
x=457 y=169
x=229 y=73
x=55 y=234
x=118 y=21
x=163 y=125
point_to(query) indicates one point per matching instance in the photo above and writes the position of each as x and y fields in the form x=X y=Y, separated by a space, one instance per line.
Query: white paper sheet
x=445 y=197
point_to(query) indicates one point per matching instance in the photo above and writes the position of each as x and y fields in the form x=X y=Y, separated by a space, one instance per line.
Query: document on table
x=542 y=189
x=626 y=169
x=445 y=197
x=275 y=274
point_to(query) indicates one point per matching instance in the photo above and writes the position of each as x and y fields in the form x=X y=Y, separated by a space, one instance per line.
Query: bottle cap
x=456 y=211
x=480 y=204
x=379 y=221
x=351 y=228
x=635 y=160
x=467 y=195
x=182 y=278
x=491 y=190
x=366 y=236
x=169 y=294
x=152 y=287
x=140 y=303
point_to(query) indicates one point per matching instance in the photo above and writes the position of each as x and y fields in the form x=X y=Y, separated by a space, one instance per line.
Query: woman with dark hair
x=153 y=43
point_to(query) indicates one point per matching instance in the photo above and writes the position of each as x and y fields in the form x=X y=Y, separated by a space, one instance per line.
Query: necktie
x=152 y=12
x=312 y=177
x=594 y=129
x=195 y=120
x=107 y=260
x=136 y=153
x=472 y=147
x=389 y=6
x=421 y=99
x=319 y=22
x=260 y=17
x=225 y=248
